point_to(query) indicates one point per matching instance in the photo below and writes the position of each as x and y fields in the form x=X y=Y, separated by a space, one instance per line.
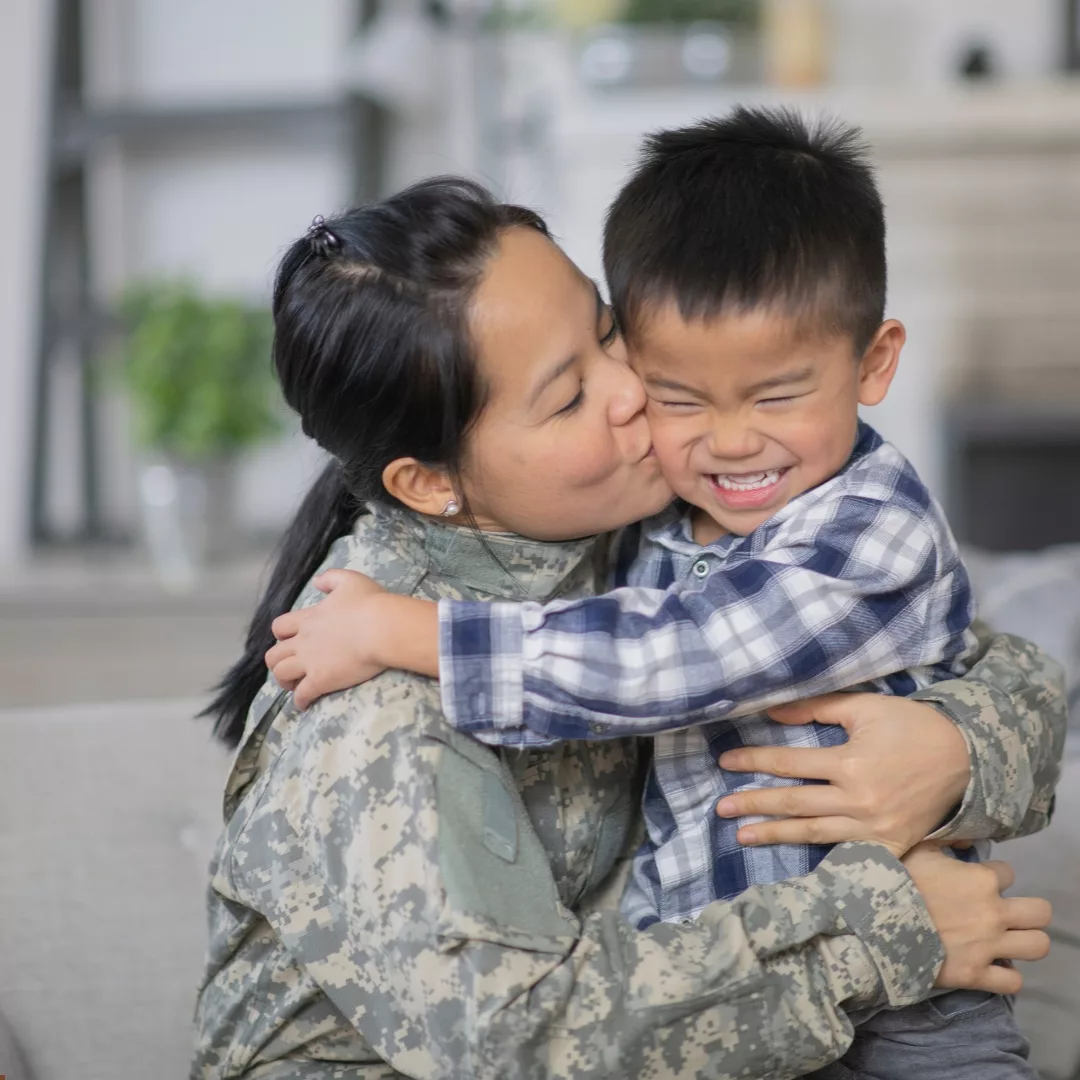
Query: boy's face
x=747 y=411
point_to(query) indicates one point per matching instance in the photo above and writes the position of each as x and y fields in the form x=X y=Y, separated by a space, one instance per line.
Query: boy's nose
x=731 y=441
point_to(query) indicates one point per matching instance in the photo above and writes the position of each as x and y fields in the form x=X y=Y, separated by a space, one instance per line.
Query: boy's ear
x=878 y=364
x=420 y=487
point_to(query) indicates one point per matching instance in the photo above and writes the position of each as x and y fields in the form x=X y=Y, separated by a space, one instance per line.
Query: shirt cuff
x=480 y=668
x=877 y=900
x=978 y=815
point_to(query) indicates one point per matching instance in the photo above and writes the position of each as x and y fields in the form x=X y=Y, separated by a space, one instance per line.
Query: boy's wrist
x=409 y=637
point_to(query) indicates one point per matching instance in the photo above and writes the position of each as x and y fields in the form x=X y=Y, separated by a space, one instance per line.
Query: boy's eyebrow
x=552 y=374
x=783 y=379
x=670 y=384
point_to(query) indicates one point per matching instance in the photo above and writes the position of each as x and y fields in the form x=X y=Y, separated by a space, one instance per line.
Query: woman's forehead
x=530 y=309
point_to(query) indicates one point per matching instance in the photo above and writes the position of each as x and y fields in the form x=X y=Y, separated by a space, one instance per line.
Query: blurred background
x=158 y=157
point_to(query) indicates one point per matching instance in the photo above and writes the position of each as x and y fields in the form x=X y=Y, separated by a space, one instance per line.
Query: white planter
x=188 y=517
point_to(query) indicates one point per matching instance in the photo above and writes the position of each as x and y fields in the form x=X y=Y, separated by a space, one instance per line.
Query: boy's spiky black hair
x=758 y=208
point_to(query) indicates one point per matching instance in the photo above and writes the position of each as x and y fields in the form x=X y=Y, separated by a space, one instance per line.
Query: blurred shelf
x=78 y=132
x=952 y=120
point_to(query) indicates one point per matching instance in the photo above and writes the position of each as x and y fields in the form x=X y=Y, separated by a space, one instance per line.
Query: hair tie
x=322 y=240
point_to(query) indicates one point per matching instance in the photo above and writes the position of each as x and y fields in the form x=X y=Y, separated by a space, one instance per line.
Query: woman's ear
x=878 y=364
x=420 y=487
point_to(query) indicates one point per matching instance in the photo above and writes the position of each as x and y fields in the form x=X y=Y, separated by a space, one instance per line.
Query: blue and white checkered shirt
x=855 y=583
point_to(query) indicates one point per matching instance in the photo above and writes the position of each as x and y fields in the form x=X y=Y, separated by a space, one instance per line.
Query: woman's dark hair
x=372 y=348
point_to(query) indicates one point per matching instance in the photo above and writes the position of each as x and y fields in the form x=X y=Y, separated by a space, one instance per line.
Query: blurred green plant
x=197 y=371
x=732 y=12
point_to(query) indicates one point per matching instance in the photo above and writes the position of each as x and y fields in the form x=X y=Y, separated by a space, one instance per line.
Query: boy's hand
x=331 y=645
x=901 y=773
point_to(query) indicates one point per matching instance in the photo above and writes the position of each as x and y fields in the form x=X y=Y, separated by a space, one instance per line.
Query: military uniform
x=391 y=898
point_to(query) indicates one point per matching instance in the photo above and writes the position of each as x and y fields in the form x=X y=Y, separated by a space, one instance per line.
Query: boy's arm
x=865 y=600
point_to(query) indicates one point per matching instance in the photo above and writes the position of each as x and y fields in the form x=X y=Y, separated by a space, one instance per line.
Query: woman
x=391 y=898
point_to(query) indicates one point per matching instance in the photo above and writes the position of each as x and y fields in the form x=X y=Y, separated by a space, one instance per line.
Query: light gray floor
x=86 y=629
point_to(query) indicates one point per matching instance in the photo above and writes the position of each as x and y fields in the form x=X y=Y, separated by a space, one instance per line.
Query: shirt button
x=701 y=568
x=596 y=727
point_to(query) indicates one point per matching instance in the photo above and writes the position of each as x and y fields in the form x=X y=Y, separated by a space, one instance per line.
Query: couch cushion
x=109 y=814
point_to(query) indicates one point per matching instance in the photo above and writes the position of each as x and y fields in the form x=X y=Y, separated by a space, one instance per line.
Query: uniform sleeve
x=1012 y=711
x=868 y=597
x=432 y=923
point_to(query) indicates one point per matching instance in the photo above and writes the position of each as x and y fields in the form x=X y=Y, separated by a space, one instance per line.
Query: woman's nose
x=627 y=395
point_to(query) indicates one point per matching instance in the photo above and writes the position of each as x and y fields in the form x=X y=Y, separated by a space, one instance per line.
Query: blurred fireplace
x=1014 y=482
x=1013 y=432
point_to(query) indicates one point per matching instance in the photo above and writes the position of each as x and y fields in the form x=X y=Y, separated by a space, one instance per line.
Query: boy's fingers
x=288 y=670
x=329 y=580
x=811 y=830
x=800 y=762
x=305 y=694
x=285 y=626
x=805 y=800
x=276 y=653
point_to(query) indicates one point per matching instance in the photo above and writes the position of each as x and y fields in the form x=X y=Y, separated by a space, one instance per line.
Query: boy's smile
x=749 y=410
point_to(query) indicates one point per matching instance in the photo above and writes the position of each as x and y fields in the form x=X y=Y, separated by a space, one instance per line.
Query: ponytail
x=327 y=512
x=373 y=351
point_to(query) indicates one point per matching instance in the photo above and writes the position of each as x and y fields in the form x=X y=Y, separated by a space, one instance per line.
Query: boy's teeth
x=748 y=481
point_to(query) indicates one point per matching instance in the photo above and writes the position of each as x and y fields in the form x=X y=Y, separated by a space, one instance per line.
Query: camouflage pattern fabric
x=391 y=898
x=1013 y=712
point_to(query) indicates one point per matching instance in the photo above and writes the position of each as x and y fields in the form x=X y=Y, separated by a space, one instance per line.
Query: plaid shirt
x=857 y=582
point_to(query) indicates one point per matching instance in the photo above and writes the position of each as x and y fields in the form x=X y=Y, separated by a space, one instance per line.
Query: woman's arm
x=369 y=854
x=1012 y=710
x=984 y=759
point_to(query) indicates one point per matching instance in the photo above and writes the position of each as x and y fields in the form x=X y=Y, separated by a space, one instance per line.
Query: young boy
x=746 y=261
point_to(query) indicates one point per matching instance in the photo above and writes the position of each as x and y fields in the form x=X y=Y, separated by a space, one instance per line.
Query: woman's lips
x=747 y=491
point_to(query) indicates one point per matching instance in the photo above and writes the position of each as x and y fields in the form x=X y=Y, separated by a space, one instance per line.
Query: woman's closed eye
x=611 y=336
x=573 y=403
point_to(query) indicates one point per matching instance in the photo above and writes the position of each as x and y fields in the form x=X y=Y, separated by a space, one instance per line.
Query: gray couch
x=108 y=814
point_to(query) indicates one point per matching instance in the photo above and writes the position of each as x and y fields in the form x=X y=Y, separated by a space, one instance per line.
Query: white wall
x=24 y=59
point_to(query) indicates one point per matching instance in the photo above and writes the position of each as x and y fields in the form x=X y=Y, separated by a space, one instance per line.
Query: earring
x=451 y=508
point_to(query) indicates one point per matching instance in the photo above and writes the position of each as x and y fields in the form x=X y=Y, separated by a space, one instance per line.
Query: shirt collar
x=672 y=528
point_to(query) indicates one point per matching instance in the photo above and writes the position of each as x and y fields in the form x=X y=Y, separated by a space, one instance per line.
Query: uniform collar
x=491 y=565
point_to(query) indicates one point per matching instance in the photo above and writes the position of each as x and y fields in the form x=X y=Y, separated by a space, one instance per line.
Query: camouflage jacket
x=391 y=898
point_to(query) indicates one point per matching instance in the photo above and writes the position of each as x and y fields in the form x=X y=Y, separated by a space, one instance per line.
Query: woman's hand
x=976 y=924
x=901 y=773
x=331 y=645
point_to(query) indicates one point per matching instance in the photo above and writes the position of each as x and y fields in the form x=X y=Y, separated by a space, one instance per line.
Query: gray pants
x=962 y=1035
